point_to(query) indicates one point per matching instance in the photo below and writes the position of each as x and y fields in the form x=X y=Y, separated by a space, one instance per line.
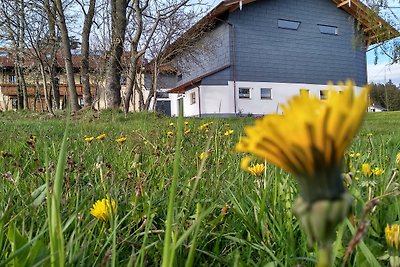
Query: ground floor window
x=323 y=94
x=266 y=93
x=244 y=92
x=14 y=103
x=192 y=98
x=12 y=79
x=304 y=92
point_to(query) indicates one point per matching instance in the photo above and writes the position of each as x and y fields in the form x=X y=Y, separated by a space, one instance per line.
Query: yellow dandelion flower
x=88 y=139
x=203 y=155
x=377 y=171
x=187 y=131
x=170 y=134
x=120 y=140
x=398 y=158
x=358 y=155
x=309 y=139
x=102 y=209
x=171 y=124
x=366 y=169
x=205 y=126
x=392 y=234
x=257 y=169
x=352 y=155
x=245 y=162
x=101 y=136
x=186 y=123
x=32 y=138
x=228 y=132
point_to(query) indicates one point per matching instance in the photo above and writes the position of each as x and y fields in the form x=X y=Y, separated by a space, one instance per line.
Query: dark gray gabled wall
x=209 y=54
x=265 y=52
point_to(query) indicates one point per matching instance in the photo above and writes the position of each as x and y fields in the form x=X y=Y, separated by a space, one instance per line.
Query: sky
x=381 y=72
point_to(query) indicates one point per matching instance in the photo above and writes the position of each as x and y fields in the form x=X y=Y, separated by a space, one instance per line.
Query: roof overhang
x=376 y=29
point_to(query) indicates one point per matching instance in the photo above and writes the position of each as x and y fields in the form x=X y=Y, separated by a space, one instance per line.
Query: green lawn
x=222 y=215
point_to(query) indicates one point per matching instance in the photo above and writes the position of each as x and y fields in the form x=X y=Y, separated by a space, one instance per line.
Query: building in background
x=258 y=53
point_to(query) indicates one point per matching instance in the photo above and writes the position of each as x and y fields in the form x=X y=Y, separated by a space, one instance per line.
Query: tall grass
x=220 y=215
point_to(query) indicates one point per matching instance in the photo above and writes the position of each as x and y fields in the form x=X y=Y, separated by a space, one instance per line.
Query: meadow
x=220 y=216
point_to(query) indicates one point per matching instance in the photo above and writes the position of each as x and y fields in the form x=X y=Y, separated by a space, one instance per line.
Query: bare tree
x=67 y=56
x=51 y=11
x=148 y=16
x=114 y=67
x=12 y=12
x=87 y=25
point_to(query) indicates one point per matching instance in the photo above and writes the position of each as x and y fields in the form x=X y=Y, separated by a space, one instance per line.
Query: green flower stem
x=394 y=261
x=168 y=249
x=324 y=258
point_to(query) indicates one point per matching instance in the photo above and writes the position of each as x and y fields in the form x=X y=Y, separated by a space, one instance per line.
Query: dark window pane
x=288 y=24
x=326 y=29
x=244 y=92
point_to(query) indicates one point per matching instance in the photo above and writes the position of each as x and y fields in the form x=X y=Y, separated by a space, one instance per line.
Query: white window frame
x=323 y=94
x=244 y=95
x=304 y=90
x=266 y=97
x=12 y=79
x=192 y=98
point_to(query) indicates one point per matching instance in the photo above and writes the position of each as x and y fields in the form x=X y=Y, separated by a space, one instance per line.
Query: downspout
x=198 y=88
x=233 y=60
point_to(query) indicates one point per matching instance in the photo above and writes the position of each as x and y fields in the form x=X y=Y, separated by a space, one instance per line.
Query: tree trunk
x=73 y=97
x=45 y=90
x=114 y=68
x=22 y=85
x=51 y=11
x=139 y=92
x=20 y=45
x=20 y=103
x=87 y=25
x=131 y=81
x=153 y=87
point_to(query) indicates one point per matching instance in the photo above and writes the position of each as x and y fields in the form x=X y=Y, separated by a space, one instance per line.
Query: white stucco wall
x=219 y=100
x=280 y=92
x=191 y=109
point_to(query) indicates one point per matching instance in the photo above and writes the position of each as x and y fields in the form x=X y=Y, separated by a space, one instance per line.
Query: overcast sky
x=379 y=73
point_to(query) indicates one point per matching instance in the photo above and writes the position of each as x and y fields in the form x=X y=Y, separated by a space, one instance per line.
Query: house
x=376 y=108
x=36 y=98
x=258 y=53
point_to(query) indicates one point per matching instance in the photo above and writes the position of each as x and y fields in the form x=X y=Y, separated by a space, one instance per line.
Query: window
x=179 y=77
x=323 y=94
x=12 y=79
x=81 y=101
x=192 y=98
x=266 y=93
x=327 y=29
x=14 y=103
x=244 y=92
x=304 y=92
x=288 y=24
